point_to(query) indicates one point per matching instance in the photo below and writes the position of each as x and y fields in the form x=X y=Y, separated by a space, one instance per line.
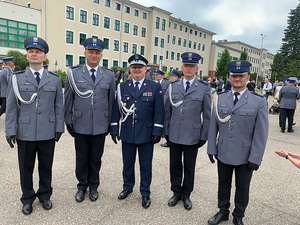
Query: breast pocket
x=104 y=90
x=223 y=112
x=82 y=86
x=175 y=98
x=27 y=91
x=50 y=92
x=247 y=115
x=196 y=101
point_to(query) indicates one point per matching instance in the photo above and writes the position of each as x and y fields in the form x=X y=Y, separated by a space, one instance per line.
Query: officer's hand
x=201 y=143
x=11 y=139
x=253 y=166
x=57 y=136
x=167 y=138
x=70 y=129
x=114 y=137
x=155 y=139
x=211 y=157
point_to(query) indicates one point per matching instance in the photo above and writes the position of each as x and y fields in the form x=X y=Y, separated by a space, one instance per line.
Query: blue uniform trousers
x=145 y=151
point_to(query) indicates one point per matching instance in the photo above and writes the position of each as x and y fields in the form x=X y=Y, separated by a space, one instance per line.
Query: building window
x=203 y=47
x=107 y=3
x=170 y=23
x=83 y=16
x=157 y=21
x=106 y=22
x=115 y=63
x=95 y=19
x=196 y=33
x=161 y=58
x=202 y=61
x=81 y=60
x=124 y=64
x=186 y=29
x=145 y=15
x=191 y=31
x=126 y=27
x=96 y=1
x=180 y=27
x=69 y=37
x=116 y=45
x=172 y=55
x=156 y=41
x=163 y=24
x=178 y=56
x=195 y=44
x=106 y=43
x=69 y=60
x=134 y=48
x=94 y=36
x=127 y=9
x=199 y=46
x=204 y=35
x=154 y=59
x=175 y=26
x=117 y=6
x=82 y=38
x=136 y=12
x=200 y=34
x=135 y=30
x=167 y=54
x=142 y=50
x=174 y=40
x=168 y=40
x=143 y=31
x=190 y=44
x=105 y=63
x=200 y=73
x=69 y=13
x=117 y=25
x=162 y=42
x=179 y=41
x=184 y=43
x=125 y=47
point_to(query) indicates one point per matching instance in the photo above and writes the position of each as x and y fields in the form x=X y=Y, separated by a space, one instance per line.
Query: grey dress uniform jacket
x=5 y=76
x=287 y=96
x=243 y=138
x=184 y=123
x=90 y=118
x=164 y=85
x=39 y=120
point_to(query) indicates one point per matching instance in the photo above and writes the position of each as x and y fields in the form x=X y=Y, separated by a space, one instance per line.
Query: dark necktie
x=187 y=86
x=236 y=94
x=136 y=88
x=93 y=74
x=37 y=77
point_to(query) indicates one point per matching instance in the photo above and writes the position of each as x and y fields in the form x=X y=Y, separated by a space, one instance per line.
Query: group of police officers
x=138 y=113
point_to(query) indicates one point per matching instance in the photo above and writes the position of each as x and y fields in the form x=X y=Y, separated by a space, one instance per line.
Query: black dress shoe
x=282 y=131
x=294 y=124
x=27 y=209
x=237 y=221
x=164 y=145
x=173 y=201
x=146 y=202
x=124 y=194
x=47 y=204
x=290 y=131
x=80 y=196
x=93 y=195
x=187 y=203
x=218 y=218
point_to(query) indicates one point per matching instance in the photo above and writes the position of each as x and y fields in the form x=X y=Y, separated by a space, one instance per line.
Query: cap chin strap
x=122 y=108
x=215 y=104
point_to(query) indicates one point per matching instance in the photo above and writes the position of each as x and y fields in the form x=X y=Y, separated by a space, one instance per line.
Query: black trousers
x=182 y=172
x=89 y=151
x=3 y=105
x=242 y=182
x=27 y=151
x=286 y=113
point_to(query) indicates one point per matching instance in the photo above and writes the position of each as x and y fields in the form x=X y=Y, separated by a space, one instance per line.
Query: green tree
x=222 y=69
x=244 y=55
x=277 y=68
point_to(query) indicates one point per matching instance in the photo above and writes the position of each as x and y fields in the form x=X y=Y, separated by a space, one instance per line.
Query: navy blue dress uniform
x=237 y=137
x=89 y=96
x=185 y=129
x=142 y=118
x=5 y=76
x=287 y=97
x=35 y=119
x=163 y=82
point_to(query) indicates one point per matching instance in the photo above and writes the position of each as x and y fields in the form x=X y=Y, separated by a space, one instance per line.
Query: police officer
x=126 y=75
x=140 y=102
x=89 y=96
x=46 y=67
x=163 y=82
x=287 y=97
x=237 y=138
x=5 y=76
x=35 y=120
x=186 y=101
x=220 y=84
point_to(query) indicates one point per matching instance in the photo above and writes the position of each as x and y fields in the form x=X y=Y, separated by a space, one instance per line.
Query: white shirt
x=90 y=72
x=184 y=82
x=41 y=71
x=240 y=95
x=140 y=82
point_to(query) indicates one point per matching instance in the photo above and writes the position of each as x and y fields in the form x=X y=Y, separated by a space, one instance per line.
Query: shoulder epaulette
x=53 y=73
x=174 y=81
x=76 y=66
x=219 y=93
x=253 y=92
x=108 y=69
x=203 y=82
x=21 y=71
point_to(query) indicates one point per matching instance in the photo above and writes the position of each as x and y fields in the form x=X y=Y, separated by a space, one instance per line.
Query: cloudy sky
x=234 y=20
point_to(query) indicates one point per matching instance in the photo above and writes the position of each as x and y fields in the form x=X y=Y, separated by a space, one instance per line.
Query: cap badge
x=238 y=63
x=35 y=39
x=136 y=57
x=94 y=40
x=190 y=55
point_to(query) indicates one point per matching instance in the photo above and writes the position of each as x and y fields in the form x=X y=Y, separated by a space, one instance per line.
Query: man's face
x=172 y=77
x=147 y=74
x=189 y=71
x=35 y=56
x=138 y=72
x=266 y=80
x=93 y=57
x=239 y=82
x=158 y=77
x=10 y=64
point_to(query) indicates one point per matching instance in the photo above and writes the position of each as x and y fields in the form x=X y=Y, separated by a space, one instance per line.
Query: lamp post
x=261 y=56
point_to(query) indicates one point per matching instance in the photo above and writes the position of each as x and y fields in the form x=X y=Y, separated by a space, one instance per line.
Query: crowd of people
x=138 y=110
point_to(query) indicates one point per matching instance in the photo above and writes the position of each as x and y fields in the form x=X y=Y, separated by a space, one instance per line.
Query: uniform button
x=231 y=128
x=40 y=113
x=39 y=105
x=233 y=113
x=182 y=112
x=230 y=136
x=232 y=121
x=135 y=114
x=135 y=121
x=182 y=119
x=135 y=101
x=183 y=105
x=184 y=98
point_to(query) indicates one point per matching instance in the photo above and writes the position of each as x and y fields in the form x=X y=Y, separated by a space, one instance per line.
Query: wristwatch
x=287 y=156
